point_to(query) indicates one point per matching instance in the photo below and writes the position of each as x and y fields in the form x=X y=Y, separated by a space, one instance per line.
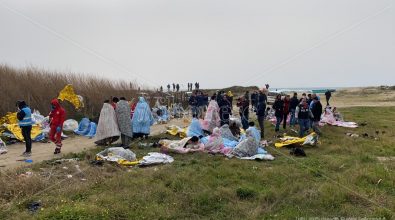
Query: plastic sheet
x=154 y=158
x=289 y=140
x=68 y=94
x=70 y=125
x=118 y=155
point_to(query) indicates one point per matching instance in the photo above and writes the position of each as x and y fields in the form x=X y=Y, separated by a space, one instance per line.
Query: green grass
x=341 y=177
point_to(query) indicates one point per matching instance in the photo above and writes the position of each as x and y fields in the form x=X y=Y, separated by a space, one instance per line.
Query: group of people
x=57 y=116
x=198 y=103
x=176 y=87
x=305 y=111
x=123 y=119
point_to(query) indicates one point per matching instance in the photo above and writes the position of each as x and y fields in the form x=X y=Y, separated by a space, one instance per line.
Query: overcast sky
x=220 y=43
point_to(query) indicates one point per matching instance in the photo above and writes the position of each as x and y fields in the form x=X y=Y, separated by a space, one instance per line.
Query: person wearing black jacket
x=193 y=104
x=243 y=105
x=328 y=96
x=261 y=111
x=316 y=111
x=25 y=121
x=292 y=108
x=278 y=107
x=224 y=110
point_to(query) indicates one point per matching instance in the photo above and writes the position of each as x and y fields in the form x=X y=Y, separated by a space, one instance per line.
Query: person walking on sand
x=25 y=122
x=56 y=117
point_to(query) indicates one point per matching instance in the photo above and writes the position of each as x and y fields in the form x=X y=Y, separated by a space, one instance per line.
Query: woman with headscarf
x=247 y=147
x=212 y=119
x=142 y=119
x=124 y=122
x=107 y=129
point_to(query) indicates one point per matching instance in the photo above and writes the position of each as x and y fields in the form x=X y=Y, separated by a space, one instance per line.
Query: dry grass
x=38 y=87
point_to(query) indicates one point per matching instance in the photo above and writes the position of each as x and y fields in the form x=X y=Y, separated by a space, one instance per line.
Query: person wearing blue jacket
x=25 y=121
x=142 y=119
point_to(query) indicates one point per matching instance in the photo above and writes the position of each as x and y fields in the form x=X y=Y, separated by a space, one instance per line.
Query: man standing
x=278 y=107
x=303 y=114
x=292 y=108
x=261 y=110
x=168 y=87
x=124 y=121
x=178 y=87
x=316 y=111
x=224 y=110
x=243 y=105
x=328 y=95
x=174 y=87
x=24 y=116
x=56 y=117
x=254 y=100
x=193 y=104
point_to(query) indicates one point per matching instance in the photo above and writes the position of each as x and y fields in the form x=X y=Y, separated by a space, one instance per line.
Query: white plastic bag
x=70 y=125
x=3 y=147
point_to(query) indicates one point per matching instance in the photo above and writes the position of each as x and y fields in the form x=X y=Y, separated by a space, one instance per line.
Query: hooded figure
x=227 y=133
x=124 y=122
x=56 y=117
x=215 y=143
x=195 y=129
x=211 y=120
x=142 y=119
x=107 y=130
x=247 y=147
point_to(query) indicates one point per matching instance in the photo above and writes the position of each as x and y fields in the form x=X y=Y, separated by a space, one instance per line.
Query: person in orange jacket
x=56 y=117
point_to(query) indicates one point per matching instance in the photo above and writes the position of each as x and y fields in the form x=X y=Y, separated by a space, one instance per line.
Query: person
x=243 y=105
x=247 y=97
x=124 y=121
x=193 y=103
x=56 y=117
x=294 y=102
x=225 y=110
x=286 y=110
x=142 y=119
x=114 y=102
x=303 y=97
x=161 y=88
x=198 y=85
x=215 y=143
x=195 y=128
x=311 y=105
x=317 y=112
x=267 y=87
x=278 y=107
x=186 y=145
x=178 y=87
x=254 y=97
x=230 y=96
x=25 y=122
x=309 y=99
x=328 y=95
x=247 y=147
x=107 y=129
x=211 y=119
x=174 y=87
x=200 y=105
x=303 y=115
x=255 y=133
x=261 y=110
x=168 y=87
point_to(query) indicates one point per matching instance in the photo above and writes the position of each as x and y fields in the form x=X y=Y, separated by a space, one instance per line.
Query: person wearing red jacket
x=56 y=117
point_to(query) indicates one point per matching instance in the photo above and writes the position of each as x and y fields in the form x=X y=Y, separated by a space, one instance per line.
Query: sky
x=219 y=43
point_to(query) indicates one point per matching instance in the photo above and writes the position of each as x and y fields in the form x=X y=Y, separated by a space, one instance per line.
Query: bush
x=245 y=193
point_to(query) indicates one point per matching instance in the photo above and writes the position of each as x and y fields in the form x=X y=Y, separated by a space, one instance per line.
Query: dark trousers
x=285 y=120
x=327 y=100
x=26 y=133
x=261 y=120
x=244 y=121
